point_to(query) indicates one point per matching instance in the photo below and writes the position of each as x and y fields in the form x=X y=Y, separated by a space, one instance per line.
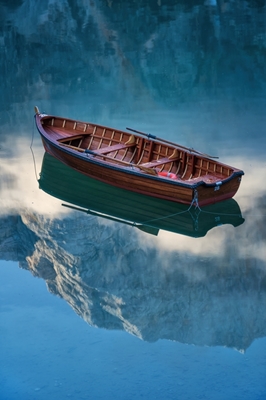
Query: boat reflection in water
x=144 y=212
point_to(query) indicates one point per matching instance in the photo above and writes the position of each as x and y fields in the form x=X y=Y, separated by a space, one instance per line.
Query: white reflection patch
x=18 y=183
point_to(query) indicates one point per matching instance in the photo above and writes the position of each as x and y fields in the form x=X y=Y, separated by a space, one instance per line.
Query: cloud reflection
x=117 y=277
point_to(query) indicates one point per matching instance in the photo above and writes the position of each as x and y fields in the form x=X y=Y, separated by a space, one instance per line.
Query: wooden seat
x=175 y=156
x=115 y=147
x=161 y=161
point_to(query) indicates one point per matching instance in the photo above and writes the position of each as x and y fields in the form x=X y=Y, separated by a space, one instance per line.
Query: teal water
x=92 y=308
x=49 y=352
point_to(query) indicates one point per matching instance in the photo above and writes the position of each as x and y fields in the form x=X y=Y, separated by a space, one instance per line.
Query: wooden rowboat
x=138 y=162
x=151 y=215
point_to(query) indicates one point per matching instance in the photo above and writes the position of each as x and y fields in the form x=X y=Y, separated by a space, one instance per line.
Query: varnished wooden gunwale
x=200 y=178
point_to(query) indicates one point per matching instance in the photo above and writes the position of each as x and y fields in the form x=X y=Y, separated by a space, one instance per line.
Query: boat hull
x=139 y=182
x=144 y=212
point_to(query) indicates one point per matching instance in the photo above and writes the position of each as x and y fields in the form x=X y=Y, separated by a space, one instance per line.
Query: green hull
x=149 y=214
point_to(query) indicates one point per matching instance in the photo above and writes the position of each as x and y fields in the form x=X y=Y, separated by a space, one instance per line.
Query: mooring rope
x=194 y=201
x=31 y=149
x=194 y=217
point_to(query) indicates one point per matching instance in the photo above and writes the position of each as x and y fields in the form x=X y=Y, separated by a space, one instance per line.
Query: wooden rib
x=133 y=155
x=192 y=165
x=92 y=136
x=140 y=142
x=178 y=168
x=119 y=141
x=121 y=137
x=102 y=137
x=64 y=123
x=131 y=142
x=200 y=167
x=141 y=157
x=185 y=171
x=74 y=127
x=124 y=155
x=171 y=166
x=111 y=138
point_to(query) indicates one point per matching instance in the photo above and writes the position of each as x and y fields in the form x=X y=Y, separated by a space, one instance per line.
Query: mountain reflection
x=115 y=279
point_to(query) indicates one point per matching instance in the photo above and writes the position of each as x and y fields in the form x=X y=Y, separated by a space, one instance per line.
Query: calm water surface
x=170 y=307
